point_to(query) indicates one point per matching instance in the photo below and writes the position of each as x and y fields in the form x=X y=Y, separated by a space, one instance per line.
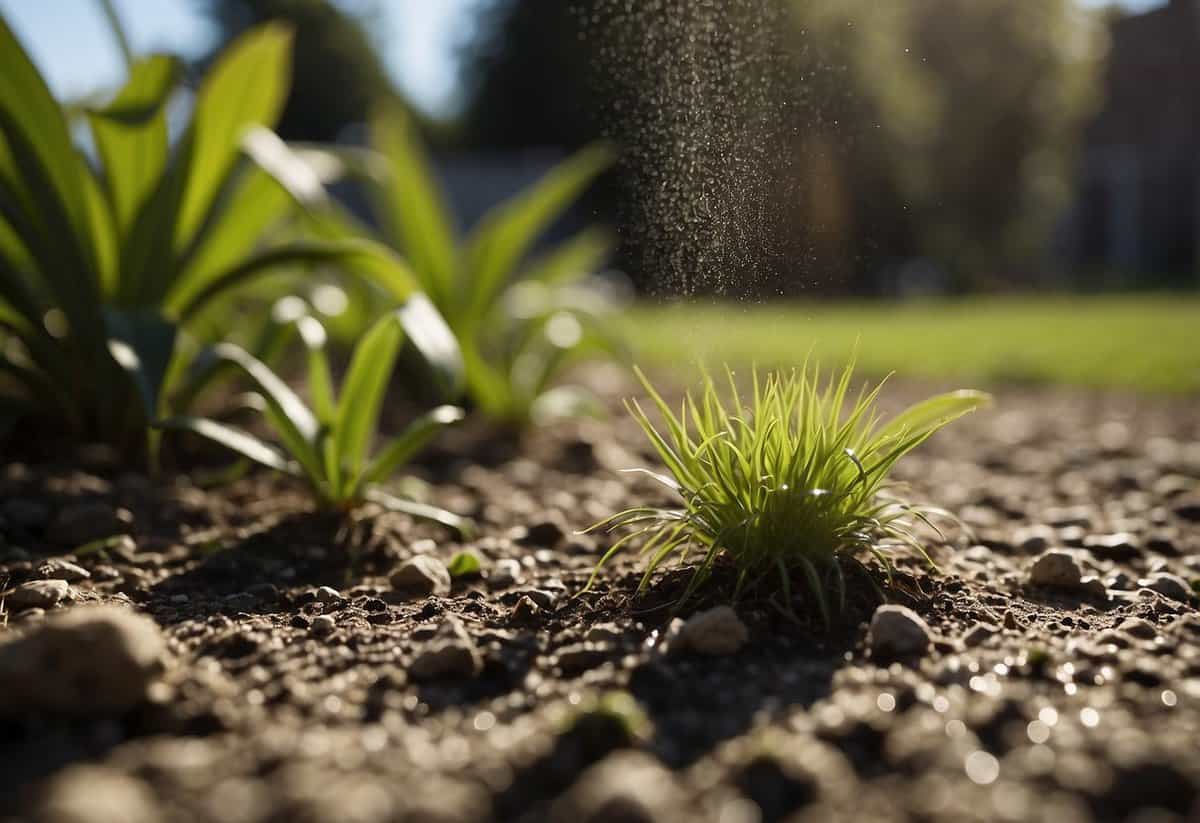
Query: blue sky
x=72 y=46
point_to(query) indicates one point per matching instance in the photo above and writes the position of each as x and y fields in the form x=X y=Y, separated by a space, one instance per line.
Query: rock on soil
x=422 y=575
x=95 y=794
x=449 y=653
x=1056 y=569
x=897 y=632
x=89 y=660
x=39 y=594
x=1168 y=585
x=625 y=786
x=716 y=632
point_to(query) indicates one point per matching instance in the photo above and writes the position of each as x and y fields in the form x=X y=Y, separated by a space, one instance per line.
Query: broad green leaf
x=143 y=345
x=61 y=247
x=31 y=109
x=411 y=205
x=415 y=437
x=364 y=388
x=189 y=297
x=930 y=415
x=256 y=204
x=233 y=439
x=247 y=87
x=296 y=177
x=131 y=136
x=501 y=241
x=105 y=239
x=435 y=341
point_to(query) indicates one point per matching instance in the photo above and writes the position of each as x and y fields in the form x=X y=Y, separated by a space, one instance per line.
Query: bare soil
x=282 y=700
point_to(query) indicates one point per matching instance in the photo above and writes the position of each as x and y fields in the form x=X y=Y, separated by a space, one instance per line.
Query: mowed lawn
x=1146 y=343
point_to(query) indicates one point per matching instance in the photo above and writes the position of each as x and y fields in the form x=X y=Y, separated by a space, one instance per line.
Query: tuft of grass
x=792 y=481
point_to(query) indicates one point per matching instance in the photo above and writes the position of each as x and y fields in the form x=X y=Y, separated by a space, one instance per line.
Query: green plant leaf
x=503 y=238
x=142 y=343
x=411 y=205
x=247 y=87
x=297 y=178
x=364 y=388
x=415 y=437
x=256 y=204
x=131 y=136
x=233 y=439
x=430 y=335
x=189 y=297
x=320 y=381
x=464 y=564
x=930 y=415
x=30 y=109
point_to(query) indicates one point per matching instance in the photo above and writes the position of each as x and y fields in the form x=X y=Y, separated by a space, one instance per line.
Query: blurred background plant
x=806 y=148
x=519 y=318
x=98 y=269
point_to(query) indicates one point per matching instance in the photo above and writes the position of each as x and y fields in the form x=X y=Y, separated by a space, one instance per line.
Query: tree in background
x=942 y=130
x=532 y=76
x=337 y=71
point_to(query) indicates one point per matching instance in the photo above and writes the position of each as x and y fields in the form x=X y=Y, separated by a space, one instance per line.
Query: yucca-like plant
x=328 y=445
x=519 y=321
x=794 y=482
x=105 y=260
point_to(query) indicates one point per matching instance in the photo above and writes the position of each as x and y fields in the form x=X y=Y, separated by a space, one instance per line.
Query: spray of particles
x=703 y=103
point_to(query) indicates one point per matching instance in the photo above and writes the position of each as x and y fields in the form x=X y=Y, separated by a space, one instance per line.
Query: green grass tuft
x=794 y=480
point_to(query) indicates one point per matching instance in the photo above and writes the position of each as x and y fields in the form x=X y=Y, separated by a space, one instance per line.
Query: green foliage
x=795 y=481
x=519 y=321
x=329 y=444
x=1130 y=343
x=99 y=268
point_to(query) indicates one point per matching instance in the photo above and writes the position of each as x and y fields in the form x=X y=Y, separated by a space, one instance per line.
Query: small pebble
x=897 y=632
x=41 y=594
x=422 y=575
x=1168 y=585
x=1056 y=569
x=716 y=632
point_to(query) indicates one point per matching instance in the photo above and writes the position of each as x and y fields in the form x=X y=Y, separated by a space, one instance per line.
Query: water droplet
x=982 y=767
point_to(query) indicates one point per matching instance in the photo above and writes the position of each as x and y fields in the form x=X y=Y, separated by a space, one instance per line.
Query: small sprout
x=792 y=484
x=464 y=564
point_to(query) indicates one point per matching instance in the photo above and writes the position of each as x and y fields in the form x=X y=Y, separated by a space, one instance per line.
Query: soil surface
x=301 y=668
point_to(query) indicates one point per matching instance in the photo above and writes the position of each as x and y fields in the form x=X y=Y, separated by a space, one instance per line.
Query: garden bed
x=301 y=684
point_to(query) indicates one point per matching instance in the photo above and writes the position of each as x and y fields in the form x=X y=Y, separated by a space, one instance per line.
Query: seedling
x=328 y=445
x=797 y=481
